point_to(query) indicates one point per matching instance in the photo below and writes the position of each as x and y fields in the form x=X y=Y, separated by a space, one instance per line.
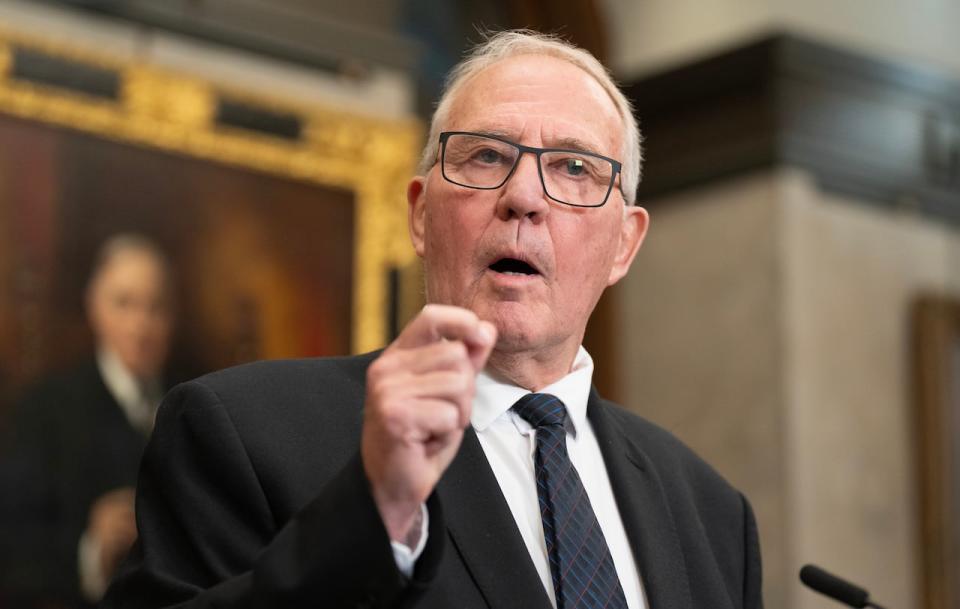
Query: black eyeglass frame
x=538 y=152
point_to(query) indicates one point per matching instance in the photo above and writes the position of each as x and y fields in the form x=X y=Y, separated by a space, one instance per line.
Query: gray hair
x=504 y=45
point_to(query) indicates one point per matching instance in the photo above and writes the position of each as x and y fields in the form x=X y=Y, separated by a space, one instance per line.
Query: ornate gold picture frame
x=141 y=105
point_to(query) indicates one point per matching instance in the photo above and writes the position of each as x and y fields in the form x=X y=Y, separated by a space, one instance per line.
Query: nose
x=523 y=196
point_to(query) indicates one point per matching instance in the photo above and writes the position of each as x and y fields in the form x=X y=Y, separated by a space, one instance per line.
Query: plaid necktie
x=580 y=562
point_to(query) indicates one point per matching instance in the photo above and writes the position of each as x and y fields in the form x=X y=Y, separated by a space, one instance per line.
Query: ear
x=416 y=208
x=633 y=229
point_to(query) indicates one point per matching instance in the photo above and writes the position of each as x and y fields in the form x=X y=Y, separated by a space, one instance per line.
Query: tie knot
x=541 y=409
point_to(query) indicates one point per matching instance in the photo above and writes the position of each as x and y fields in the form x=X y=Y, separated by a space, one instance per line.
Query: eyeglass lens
x=574 y=178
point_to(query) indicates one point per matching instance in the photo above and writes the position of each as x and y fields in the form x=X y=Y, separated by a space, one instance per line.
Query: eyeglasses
x=486 y=162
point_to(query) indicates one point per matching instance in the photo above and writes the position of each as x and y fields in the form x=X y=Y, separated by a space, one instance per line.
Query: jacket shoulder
x=678 y=464
x=287 y=390
x=270 y=377
x=294 y=420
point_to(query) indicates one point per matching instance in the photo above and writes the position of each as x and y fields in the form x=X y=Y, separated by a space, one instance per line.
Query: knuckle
x=388 y=410
x=455 y=350
x=458 y=384
x=451 y=417
x=393 y=416
x=465 y=366
x=470 y=383
x=458 y=379
x=381 y=395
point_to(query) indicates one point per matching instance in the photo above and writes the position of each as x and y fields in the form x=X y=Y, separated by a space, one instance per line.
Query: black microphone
x=836 y=588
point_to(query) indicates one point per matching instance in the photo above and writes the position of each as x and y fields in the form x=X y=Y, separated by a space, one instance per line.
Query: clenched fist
x=418 y=402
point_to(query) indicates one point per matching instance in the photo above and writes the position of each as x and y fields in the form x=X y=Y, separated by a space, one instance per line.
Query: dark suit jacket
x=252 y=494
x=71 y=442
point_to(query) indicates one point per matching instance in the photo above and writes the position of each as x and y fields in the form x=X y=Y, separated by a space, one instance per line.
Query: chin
x=516 y=323
x=515 y=337
x=143 y=368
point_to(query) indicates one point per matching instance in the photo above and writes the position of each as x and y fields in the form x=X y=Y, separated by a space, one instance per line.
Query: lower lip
x=513 y=280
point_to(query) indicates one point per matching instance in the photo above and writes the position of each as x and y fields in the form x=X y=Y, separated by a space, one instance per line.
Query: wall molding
x=883 y=132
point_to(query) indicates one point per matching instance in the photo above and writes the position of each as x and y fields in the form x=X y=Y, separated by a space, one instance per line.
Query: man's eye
x=488 y=155
x=575 y=167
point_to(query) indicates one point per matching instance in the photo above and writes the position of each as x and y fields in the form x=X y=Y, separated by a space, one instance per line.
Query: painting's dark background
x=263 y=264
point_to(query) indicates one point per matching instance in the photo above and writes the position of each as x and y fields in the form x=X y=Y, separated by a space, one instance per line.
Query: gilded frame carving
x=158 y=108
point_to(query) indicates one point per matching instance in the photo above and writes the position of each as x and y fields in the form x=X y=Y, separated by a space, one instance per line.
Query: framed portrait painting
x=285 y=224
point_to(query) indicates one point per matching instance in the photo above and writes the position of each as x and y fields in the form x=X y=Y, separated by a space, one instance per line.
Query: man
x=79 y=436
x=469 y=464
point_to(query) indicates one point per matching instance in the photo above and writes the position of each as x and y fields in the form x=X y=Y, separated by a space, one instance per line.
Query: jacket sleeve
x=207 y=537
x=752 y=575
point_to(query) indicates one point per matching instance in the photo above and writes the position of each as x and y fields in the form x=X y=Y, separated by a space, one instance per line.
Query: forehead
x=538 y=100
x=131 y=267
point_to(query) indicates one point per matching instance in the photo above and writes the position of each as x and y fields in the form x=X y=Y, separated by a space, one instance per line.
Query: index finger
x=444 y=322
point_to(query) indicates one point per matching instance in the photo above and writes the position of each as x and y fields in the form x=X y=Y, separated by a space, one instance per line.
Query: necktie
x=580 y=562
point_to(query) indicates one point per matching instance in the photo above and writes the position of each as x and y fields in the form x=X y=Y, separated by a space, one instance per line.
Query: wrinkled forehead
x=539 y=100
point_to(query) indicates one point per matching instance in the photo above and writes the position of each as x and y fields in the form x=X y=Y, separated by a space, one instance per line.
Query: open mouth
x=512 y=266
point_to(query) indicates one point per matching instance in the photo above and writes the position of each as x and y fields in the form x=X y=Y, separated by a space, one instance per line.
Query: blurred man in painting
x=78 y=438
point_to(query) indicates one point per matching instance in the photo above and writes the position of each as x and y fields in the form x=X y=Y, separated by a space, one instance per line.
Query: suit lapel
x=644 y=510
x=485 y=533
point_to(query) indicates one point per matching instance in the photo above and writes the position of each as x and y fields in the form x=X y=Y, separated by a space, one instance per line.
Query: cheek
x=158 y=329
x=440 y=248
x=584 y=258
x=443 y=259
x=113 y=325
x=451 y=234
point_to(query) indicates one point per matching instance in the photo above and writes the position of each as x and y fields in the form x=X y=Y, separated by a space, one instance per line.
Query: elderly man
x=79 y=436
x=470 y=464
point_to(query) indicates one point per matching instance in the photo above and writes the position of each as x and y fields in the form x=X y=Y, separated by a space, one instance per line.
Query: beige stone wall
x=853 y=272
x=766 y=324
x=653 y=35
x=701 y=319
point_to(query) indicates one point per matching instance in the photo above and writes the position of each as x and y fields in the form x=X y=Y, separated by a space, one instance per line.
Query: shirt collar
x=137 y=399
x=495 y=396
x=122 y=385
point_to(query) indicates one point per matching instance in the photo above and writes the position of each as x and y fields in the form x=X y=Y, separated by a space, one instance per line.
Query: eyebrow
x=572 y=143
x=564 y=143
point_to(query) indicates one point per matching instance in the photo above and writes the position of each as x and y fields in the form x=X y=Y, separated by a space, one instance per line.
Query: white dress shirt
x=138 y=399
x=509 y=443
